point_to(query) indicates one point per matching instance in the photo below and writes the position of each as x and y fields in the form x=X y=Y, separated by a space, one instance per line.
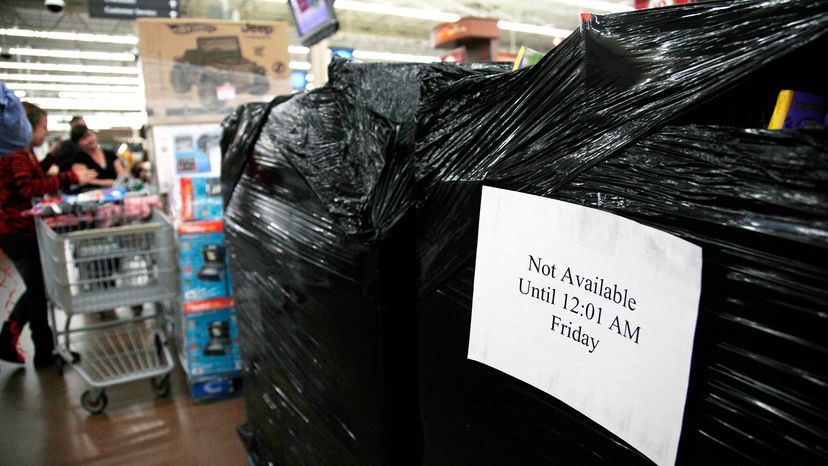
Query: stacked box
x=340 y=368
x=328 y=337
x=203 y=261
x=207 y=329
x=210 y=332
x=587 y=125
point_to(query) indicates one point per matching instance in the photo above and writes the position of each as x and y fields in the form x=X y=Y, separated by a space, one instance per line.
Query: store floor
x=42 y=422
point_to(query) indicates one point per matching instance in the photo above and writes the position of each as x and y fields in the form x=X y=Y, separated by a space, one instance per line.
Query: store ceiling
x=359 y=29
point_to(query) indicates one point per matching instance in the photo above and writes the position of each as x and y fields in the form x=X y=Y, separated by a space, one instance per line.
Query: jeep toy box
x=200 y=70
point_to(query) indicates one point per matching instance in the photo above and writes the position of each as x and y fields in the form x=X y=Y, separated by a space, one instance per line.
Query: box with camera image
x=203 y=260
x=208 y=338
x=201 y=199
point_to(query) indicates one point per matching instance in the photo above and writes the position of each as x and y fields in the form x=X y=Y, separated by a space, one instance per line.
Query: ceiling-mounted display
x=315 y=20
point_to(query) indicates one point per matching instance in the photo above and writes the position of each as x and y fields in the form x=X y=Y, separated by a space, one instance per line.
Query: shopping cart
x=98 y=257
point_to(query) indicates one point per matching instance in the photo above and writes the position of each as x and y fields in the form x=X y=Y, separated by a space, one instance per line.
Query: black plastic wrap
x=240 y=131
x=326 y=293
x=321 y=217
x=605 y=86
x=575 y=127
x=756 y=202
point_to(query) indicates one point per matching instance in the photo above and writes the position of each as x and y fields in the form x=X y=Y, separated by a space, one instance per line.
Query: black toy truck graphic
x=214 y=61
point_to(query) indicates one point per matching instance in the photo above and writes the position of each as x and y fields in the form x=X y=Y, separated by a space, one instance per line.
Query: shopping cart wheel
x=161 y=385
x=94 y=405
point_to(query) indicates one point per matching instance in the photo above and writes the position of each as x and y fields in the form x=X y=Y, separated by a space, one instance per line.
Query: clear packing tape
x=346 y=197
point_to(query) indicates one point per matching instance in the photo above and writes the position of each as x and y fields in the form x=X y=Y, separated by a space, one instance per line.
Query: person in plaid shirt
x=22 y=177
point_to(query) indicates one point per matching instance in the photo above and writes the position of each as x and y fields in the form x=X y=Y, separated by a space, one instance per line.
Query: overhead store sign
x=126 y=9
x=592 y=308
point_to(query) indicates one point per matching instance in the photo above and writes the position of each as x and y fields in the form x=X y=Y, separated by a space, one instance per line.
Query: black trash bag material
x=605 y=86
x=326 y=296
x=240 y=130
x=321 y=218
x=756 y=201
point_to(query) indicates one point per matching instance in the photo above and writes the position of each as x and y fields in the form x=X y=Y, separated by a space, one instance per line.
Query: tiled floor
x=42 y=423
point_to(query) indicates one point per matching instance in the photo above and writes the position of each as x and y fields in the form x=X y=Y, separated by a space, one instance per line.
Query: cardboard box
x=205 y=270
x=209 y=337
x=201 y=199
x=184 y=150
x=199 y=70
x=217 y=386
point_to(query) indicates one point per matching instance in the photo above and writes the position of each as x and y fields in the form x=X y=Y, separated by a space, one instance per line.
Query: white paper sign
x=594 y=309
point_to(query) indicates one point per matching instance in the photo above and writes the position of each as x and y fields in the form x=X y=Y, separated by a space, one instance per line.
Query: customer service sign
x=592 y=308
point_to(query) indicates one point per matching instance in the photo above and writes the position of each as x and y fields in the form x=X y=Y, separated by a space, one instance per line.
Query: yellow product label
x=780 y=112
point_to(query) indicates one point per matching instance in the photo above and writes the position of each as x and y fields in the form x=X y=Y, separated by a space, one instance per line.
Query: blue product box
x=205 y=272
x=216 y=386
x=201 y=199
x=188 y=157
x=210 y=337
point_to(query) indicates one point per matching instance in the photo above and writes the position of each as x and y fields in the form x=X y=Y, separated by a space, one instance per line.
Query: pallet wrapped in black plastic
x=325 y=276
x=239 y=134
x=575 y=127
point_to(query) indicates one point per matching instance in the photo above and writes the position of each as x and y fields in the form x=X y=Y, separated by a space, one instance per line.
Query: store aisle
x=42 y=423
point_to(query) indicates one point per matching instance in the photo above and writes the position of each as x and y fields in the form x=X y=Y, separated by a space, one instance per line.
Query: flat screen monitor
x=315 y=19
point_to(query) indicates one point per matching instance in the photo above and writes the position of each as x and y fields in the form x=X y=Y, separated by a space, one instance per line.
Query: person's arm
x=30 y=186
x=119 y=168
x=51 y=157
x=96 y=182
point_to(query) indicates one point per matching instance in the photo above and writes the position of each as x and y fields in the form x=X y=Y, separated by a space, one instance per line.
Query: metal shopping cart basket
x=99 y=257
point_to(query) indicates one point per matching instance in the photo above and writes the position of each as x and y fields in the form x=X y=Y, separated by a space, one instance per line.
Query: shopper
x=69 y=150
x=15 y=129
x=104 y=162
x=21 y=179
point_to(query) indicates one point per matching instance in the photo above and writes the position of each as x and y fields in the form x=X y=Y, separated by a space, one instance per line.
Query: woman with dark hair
x=105 y=163
x=22 y=178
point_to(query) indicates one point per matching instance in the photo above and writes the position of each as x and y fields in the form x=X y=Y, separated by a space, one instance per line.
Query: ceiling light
x=388 y=56
x=83 y=55
x=49 y=103
x=70 y=36
x=532 y=29
x=298 y=49
x=73 y=87
x=299 y=65
x=60 y=78
x=384 y=9
x=131 y=98
x=596 y=5
x=69 y=68
x=98 y=121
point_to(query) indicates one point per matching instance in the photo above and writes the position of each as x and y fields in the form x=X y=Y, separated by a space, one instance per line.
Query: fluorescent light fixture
x=299 y=65
x=74 y=87
x=50 y=103
x=99 y=121
x=443 y=17
x=134 y=98
x=69 y=68
x=78 y=54
x=61 y=78
x=532 y=29
x=388 y=56
x=70 y=36
x=298 y=49
x=20 y=94
x=592 y=5
x=383 y=9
